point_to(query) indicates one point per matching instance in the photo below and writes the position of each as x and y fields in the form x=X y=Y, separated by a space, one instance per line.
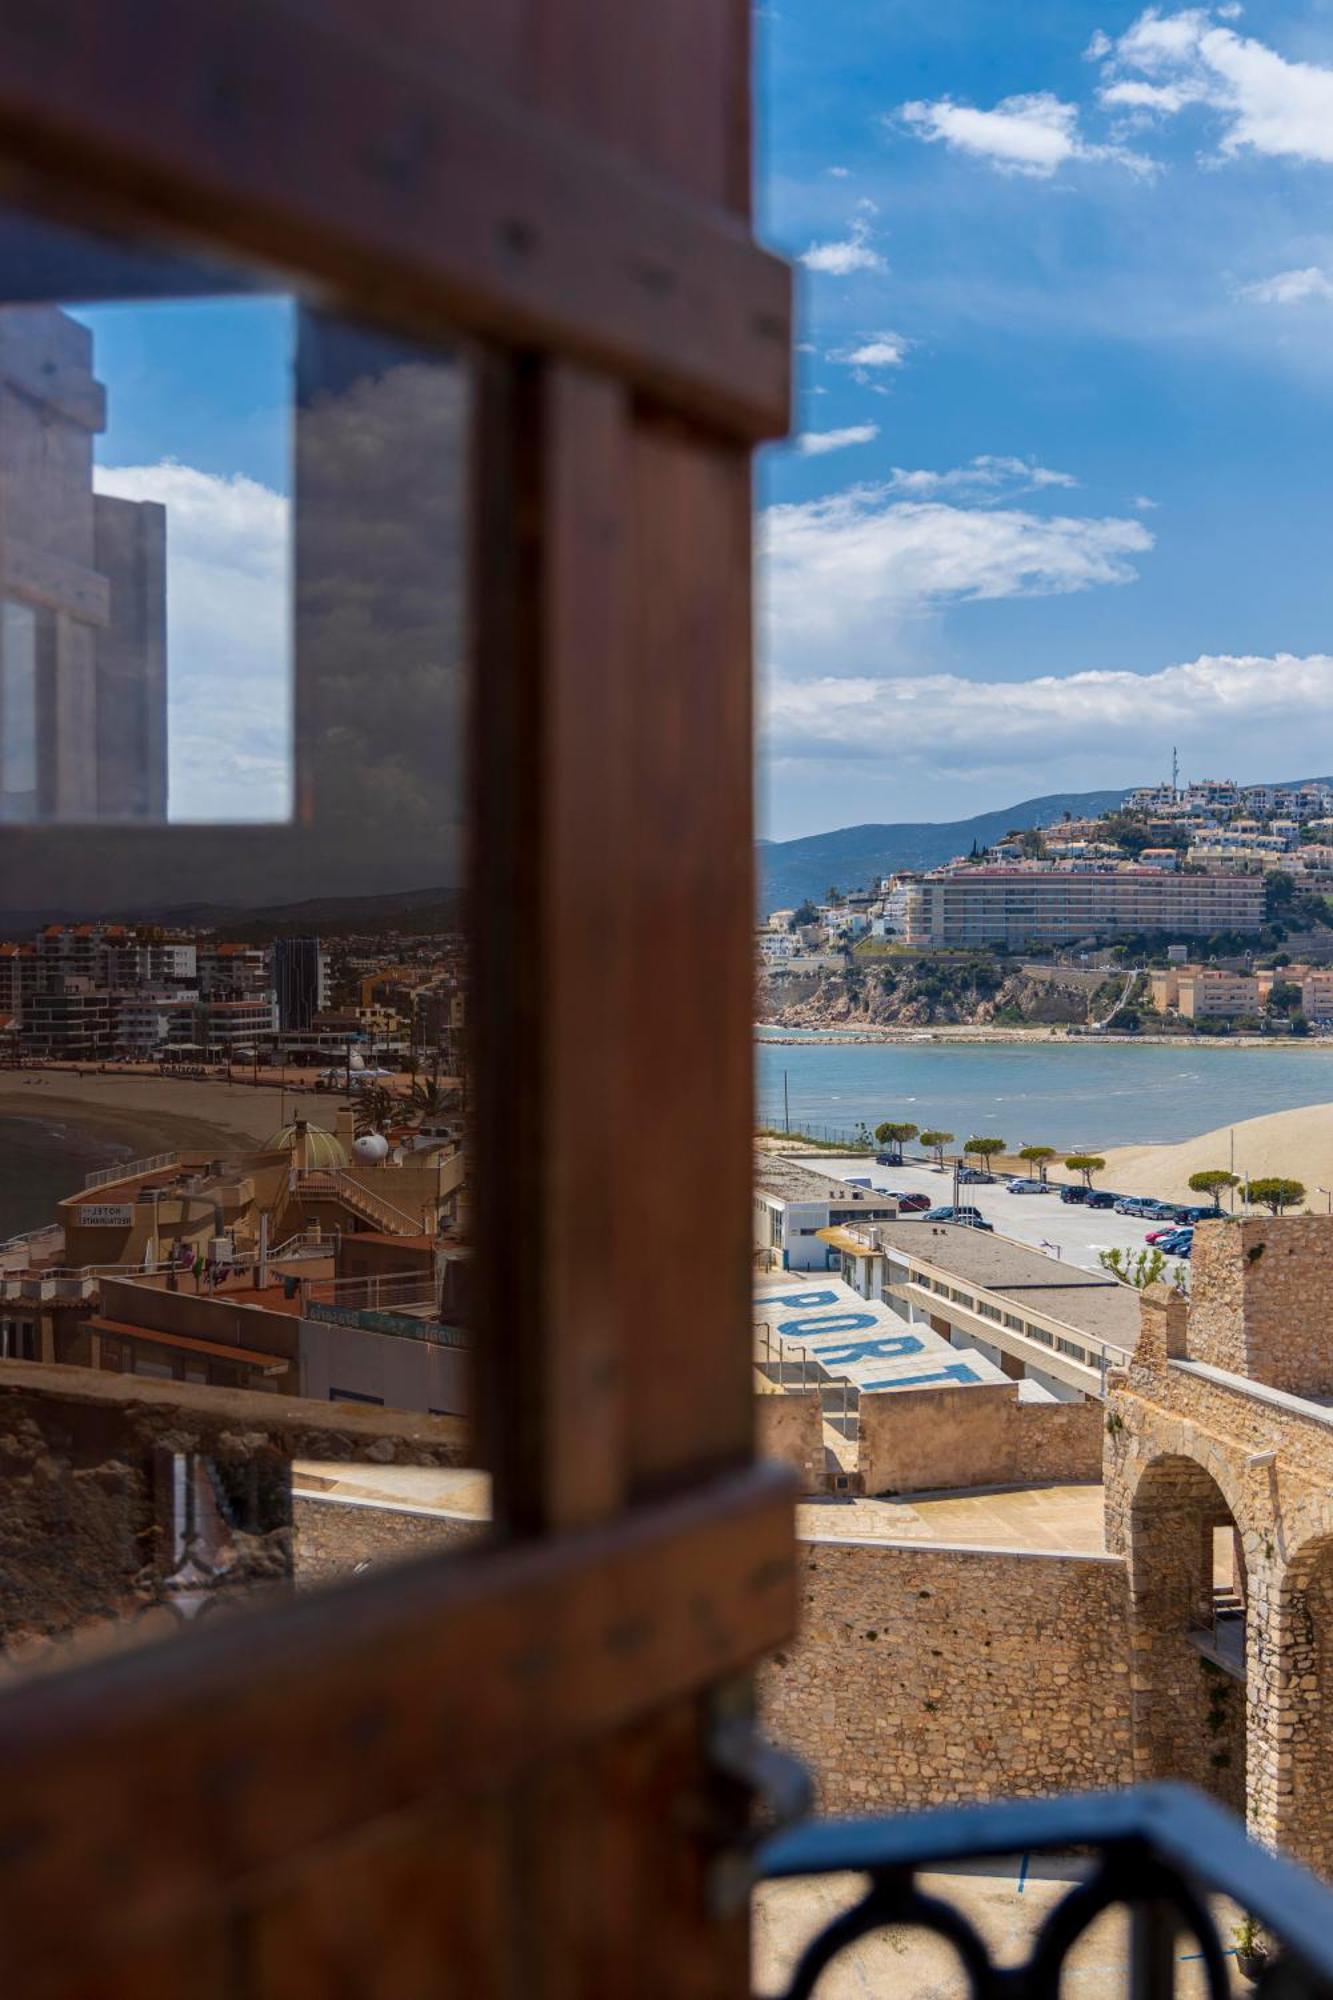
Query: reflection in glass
x=233 y=978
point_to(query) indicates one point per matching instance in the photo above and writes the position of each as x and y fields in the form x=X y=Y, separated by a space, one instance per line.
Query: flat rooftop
x=1040 y=1520
x=1079 y=1299
x=778 y=1174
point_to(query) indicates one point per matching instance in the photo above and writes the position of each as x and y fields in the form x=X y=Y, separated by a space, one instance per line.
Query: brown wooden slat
x=587 y=1046
x=417 y=192
x=614 y=70
x=688 y=875
x=170 y=1776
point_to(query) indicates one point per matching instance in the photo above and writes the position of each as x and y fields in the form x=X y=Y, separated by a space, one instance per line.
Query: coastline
x=775 y=1035
x=155 y=1114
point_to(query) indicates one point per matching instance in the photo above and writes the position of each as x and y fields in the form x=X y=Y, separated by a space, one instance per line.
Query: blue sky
x=199 y=417
x=1066 y=307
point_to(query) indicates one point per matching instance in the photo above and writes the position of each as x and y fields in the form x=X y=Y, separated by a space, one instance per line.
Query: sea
x=1070 y=1094
x=42 y=1160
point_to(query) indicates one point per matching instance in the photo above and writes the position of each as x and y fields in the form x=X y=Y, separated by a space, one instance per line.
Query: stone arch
x=1188 y=1590
x=1293 y=1668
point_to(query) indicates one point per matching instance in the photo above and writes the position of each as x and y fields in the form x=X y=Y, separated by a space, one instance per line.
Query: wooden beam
x=421 y=194
x=169 y=1776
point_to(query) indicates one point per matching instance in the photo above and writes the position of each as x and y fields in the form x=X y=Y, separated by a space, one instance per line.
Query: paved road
x=1043 y=1220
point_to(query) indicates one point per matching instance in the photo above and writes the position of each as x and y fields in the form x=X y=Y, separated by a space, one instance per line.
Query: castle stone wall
x=916 y=1440
x=1261 y=1301
x=928 y=1675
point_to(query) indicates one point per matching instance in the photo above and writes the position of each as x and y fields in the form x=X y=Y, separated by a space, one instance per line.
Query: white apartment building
x=792 y=1203
x=1057 y=903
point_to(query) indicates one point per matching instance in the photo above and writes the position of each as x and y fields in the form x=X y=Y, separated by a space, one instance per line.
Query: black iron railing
x=1160 y=1852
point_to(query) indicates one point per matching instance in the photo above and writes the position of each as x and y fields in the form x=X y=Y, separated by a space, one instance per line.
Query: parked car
x=975 y=1177
x=1197 y=1213
x=1162 y=1230
x=1100 y=1198
x=1165 y=1211
x=1178 y=1243
x=887 y=1160
x=909 y=1204
x=1139 y=1204
x=1076 y=1194
x=1021 y=1186
x=969 y=1218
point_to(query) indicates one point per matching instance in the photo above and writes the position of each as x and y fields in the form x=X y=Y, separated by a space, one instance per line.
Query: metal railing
x=1159 y=1851
x=396 y=1325
x=127 y=1169
x=396 y=1291
x=369 y=1203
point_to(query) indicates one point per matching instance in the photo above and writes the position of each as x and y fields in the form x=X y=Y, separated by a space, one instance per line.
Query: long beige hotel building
x=1036 y=903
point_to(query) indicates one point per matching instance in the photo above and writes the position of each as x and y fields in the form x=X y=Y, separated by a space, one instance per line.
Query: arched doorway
x=1300 y=1696
x=1187 y=1631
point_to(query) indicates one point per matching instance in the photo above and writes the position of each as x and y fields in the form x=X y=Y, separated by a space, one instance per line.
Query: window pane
x=233 y=974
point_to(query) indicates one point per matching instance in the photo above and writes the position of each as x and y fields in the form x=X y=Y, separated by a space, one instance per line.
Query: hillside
x=853 y=857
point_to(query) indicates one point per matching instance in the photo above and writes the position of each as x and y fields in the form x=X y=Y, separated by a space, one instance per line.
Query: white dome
x=356 y=1060
x=371 y=1146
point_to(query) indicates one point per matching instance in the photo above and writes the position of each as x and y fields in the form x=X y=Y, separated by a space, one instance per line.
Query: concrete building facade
x=792 y=1204
x=1046 y=903
x=82 y=595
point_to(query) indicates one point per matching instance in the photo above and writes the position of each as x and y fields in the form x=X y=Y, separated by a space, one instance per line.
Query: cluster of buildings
x=118 y=992
x=1211 y=992
x=1189 y=860
x=318 y=1264
x=94 y=992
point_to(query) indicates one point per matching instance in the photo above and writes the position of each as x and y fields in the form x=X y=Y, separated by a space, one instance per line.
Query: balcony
x=1162 y=1857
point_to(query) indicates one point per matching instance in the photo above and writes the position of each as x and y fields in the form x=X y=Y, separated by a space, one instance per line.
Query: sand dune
x=1296 y=1144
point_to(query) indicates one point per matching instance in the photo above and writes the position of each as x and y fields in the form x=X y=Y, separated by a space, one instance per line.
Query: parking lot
x=1043 y=1220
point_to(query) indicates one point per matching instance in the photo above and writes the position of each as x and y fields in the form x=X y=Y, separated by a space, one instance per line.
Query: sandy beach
x=154 y=1114
x=1295 y=1144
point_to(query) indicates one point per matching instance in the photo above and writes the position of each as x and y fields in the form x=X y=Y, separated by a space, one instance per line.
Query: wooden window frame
x=477 y=170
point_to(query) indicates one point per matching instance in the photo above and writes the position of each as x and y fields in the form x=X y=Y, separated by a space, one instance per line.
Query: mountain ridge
x=852 y=857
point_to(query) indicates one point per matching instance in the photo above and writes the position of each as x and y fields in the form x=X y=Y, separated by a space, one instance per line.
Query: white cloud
x=854 y=252
x=1267 y=105
x=983 y=477
x=1035 y=134
x=228 y=646
x=950 y=727
x=1144 y=504
x=876 y=350
x=841 y=574
x=813 y=444
x=838 y=173
x=1289 y=288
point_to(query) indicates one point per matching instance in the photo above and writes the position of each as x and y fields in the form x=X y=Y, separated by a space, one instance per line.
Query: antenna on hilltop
x=1175 y=772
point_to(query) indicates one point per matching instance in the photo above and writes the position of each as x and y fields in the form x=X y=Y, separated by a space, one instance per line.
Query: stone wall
x=929 y=1675
x=790 y=1428
x=1188 y=1440
x=1261 y=1301
x=333 y=1540
x=916 y=1440
x=116 y=1488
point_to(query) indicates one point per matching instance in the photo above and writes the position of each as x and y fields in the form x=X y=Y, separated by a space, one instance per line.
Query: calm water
x=41 y=1160
x=1059 y=1094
